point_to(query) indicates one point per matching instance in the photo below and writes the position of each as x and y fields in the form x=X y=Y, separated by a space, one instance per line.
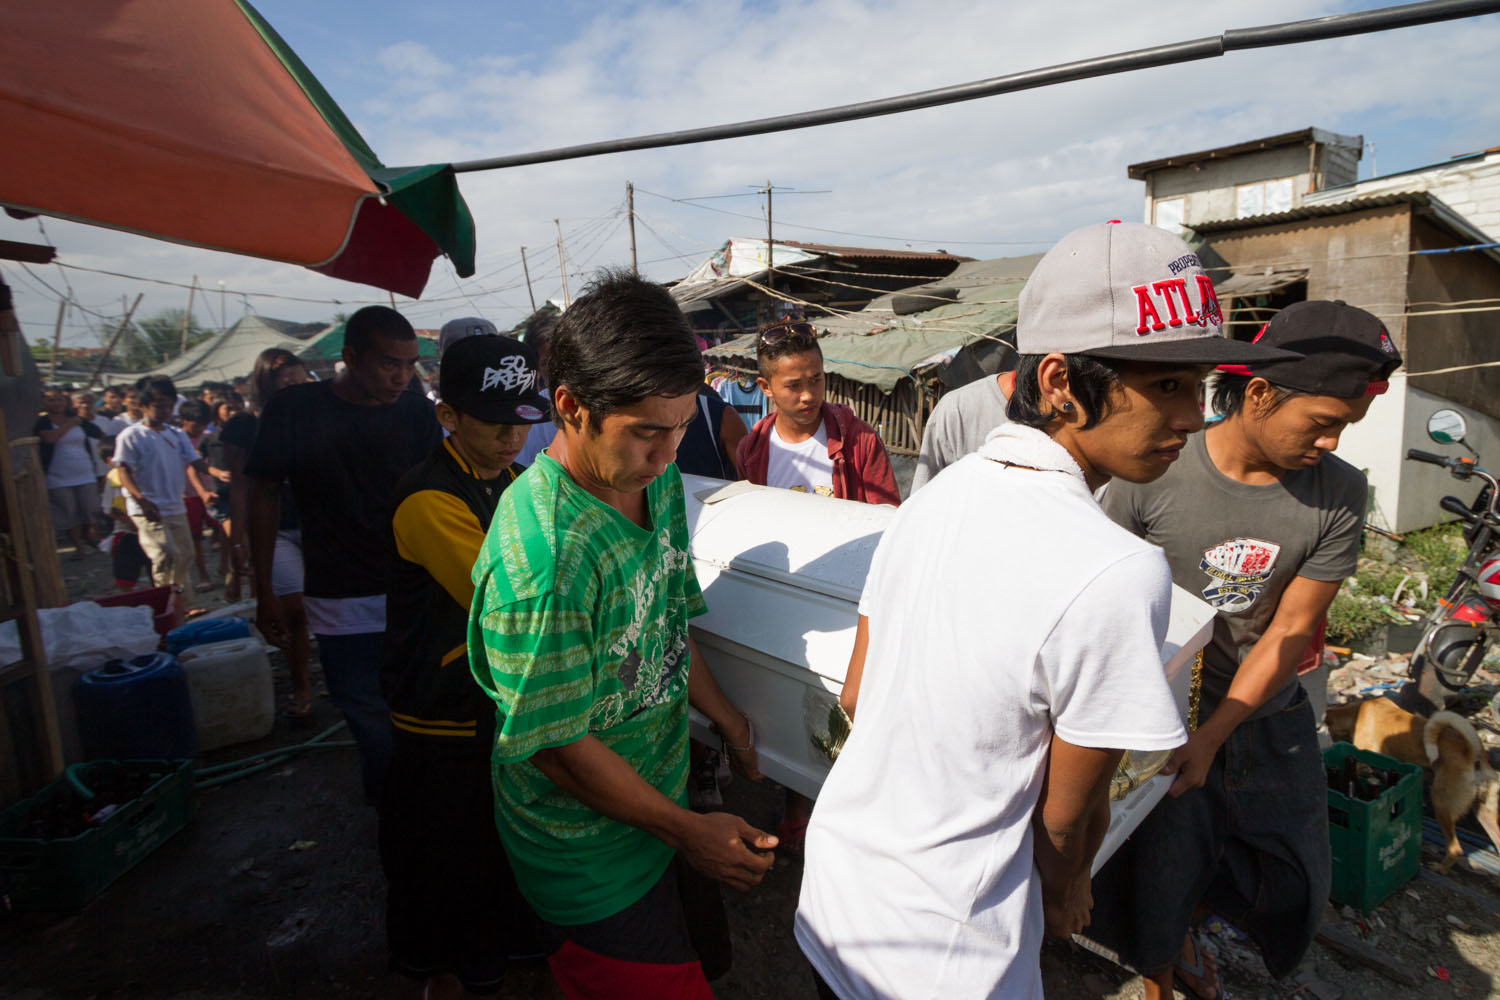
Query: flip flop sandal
x=1198 y=969
x=299 y=709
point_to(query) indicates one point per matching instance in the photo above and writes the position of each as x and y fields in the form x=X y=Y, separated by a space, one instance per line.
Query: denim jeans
x=1252 y=844
x=351 y=667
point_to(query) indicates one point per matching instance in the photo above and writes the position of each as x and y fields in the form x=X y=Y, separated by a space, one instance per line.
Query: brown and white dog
x=1445 y=744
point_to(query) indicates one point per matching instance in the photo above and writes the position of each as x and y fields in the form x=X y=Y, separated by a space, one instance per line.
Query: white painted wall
x=1405 y=495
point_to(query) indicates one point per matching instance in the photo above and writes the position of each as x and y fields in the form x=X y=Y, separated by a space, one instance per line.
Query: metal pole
x=187 y=317
x=562 y=262
x=62 y=309
x=109 y=348
x=630 y=209
x=527 y=272
x=770 y=248
x=1263 y=36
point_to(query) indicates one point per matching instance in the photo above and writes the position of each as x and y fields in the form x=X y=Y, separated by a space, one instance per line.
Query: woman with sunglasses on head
x=275 y=369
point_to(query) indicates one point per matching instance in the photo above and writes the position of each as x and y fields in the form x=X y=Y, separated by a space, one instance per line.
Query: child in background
x=193 y=416
x=122 y=545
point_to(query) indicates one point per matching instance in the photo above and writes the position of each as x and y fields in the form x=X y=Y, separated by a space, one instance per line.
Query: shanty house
x=1428 y=271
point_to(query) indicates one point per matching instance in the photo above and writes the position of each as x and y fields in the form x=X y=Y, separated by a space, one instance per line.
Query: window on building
x=1263 y=198
x=1168 y=213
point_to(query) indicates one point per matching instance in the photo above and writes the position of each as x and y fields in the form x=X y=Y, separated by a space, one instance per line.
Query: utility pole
x=630 y=209
x=527 y=271
x=110 y=347
x=62 y=309
x=187 y=317
x=562 y=262
x=392 y=296
x=770 y=245
x=223 y=323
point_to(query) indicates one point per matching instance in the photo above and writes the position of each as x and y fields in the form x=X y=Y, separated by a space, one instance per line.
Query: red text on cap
x=1163 y=296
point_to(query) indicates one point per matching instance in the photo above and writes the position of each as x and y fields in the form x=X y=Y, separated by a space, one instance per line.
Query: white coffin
x=782 y=573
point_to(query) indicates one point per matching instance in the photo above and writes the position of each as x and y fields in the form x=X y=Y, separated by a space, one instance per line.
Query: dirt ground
x=275 y=890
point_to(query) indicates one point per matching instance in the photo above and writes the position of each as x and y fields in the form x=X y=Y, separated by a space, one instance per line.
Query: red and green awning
x=196 y=123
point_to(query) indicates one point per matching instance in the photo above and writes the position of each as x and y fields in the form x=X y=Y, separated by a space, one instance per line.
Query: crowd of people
x=495 y=569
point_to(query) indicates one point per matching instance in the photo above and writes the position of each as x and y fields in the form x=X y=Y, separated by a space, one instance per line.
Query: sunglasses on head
x=781 y=331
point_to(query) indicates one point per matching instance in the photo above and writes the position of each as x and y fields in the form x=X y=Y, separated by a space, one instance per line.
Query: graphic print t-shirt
x=1237 y=546
x=804 y=466
x=579 y=628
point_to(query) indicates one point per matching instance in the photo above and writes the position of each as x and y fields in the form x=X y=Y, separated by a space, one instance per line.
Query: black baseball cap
x=1341 y=350
x=494 y=379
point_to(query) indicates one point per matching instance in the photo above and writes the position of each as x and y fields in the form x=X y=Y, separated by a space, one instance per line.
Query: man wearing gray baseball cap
x=1008 y=644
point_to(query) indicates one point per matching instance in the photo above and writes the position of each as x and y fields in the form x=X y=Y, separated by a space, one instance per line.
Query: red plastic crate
x=158 y=599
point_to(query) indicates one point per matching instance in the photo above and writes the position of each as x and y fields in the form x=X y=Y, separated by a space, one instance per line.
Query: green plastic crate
x=1376 y=846
x=64 y=873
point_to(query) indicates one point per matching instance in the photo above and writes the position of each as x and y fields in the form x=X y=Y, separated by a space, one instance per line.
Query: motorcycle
x=1457 y=633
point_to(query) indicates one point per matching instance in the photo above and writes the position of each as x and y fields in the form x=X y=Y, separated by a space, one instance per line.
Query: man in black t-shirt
x=343 y=445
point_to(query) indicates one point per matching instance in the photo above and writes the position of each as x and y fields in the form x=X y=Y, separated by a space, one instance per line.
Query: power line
x=1264 y=36
x=840 y=232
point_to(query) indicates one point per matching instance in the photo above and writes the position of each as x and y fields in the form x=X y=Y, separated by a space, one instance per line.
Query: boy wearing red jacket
x=807 y=444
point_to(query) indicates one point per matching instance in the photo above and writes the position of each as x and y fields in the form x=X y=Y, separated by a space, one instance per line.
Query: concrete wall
x=1209 y=186
x=1453 y=339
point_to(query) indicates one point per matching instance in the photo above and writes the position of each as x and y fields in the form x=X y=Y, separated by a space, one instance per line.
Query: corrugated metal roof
x=873 y=253
x=1256 y=282
x=877 y=347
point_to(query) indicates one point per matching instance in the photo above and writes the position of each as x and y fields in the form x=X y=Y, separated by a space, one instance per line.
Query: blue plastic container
x=204 y=631
x=136 y=709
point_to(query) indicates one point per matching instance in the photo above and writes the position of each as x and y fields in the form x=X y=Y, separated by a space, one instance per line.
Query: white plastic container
x=230 y=685
x=782 y=573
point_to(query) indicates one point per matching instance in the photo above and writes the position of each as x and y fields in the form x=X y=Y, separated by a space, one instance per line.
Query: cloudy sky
x=450 y=80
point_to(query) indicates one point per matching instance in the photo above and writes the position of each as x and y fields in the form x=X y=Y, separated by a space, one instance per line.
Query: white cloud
x=1020 y=167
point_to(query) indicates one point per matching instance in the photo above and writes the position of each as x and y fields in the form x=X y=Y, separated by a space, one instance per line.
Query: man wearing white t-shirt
x=1008 y=647
x=154 y=458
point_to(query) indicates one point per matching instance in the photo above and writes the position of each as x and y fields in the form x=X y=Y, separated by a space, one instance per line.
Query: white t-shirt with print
x=1004 y=606
x=804 y=467
x=158 y=461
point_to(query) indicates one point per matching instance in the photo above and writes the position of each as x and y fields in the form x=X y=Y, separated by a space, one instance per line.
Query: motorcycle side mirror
x=1447 y=427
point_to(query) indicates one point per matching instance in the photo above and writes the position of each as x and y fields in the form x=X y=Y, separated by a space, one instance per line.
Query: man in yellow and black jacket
x=453 y=912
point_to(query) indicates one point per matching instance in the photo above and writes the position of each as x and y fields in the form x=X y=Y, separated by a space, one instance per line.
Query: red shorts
x=198 y=516
x=664 y=946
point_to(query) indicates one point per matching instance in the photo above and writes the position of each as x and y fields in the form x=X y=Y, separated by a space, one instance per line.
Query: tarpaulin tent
x=224 y=356
x=328 y=346
x=196 y=123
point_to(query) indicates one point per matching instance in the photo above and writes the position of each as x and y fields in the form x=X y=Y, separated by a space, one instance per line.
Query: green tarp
x=877 y=347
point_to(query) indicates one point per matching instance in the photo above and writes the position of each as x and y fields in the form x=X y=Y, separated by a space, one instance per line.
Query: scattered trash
x=240 y=867
x=1456 y=922
x=302 y=845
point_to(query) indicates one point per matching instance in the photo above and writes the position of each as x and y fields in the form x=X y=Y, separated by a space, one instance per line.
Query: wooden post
x=527 y=271
x=62 y=310
x=109 y=348
x=562 y=262
x=38 y=758
x=187 y=317
x=630 y=210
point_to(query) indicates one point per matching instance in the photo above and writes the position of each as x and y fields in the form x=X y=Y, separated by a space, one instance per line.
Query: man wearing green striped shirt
x=578 y=631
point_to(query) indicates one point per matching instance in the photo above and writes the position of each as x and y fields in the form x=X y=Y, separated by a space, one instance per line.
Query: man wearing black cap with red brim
x=453 y=912
x=1262 y=522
